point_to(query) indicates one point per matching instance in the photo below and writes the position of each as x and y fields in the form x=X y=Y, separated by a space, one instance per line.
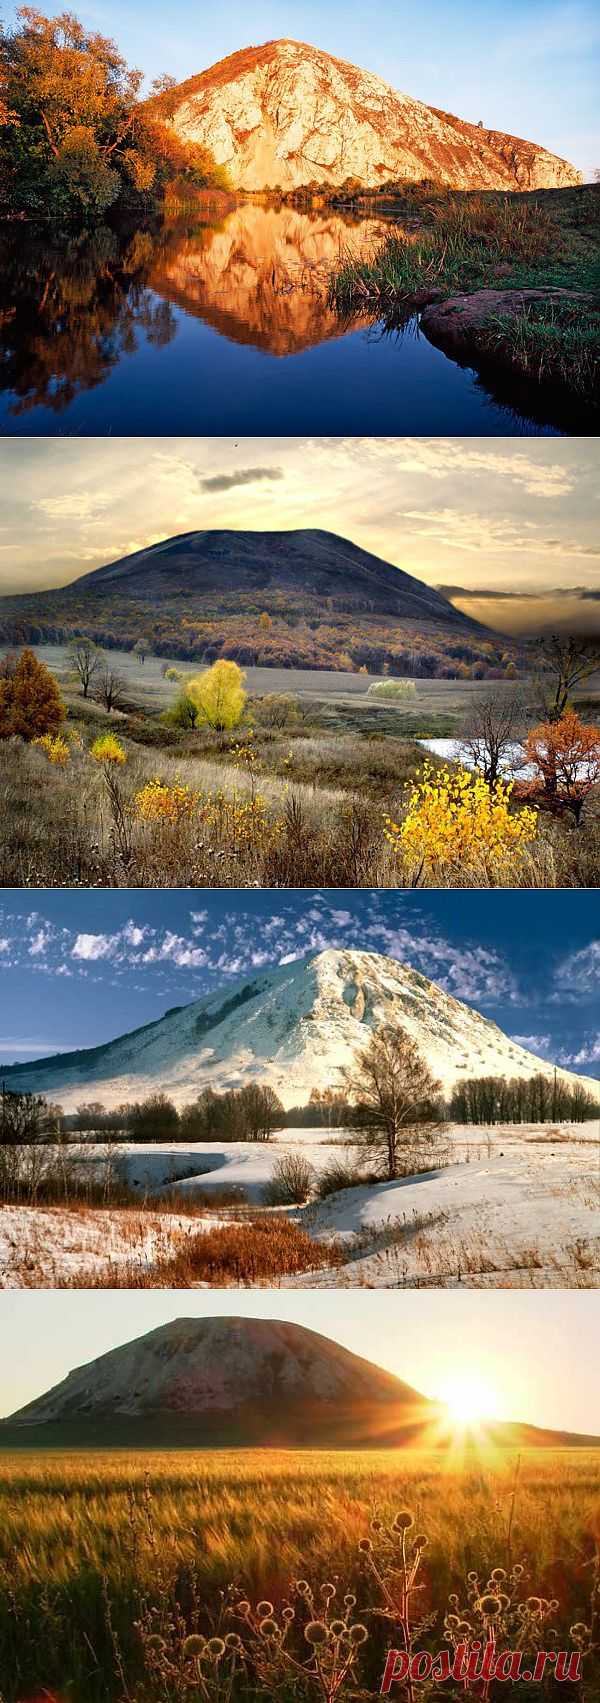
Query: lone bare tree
x=495 y=727
x=566 y=662
x=87 y=658
x=110 y=689
x=394 y=1096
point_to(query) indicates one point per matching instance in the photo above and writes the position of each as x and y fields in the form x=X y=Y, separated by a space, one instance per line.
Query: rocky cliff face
x=286 y=115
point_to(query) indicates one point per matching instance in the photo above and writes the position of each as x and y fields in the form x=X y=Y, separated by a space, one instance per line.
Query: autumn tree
x=218 y=696
x=565 y=757
x=394 y=1095
x=74 y=134
x=74 y=100
x=30 y=702
x=86 y=658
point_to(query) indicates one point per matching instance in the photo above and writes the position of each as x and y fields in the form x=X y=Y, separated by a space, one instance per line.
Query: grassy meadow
x=299 y=795
x=109 y=1562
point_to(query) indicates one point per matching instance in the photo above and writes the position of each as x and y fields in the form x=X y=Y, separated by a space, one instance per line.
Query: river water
x=224 y=327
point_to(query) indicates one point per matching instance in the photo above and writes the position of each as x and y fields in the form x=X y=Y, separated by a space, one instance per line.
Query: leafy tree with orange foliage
x=30 y=702
x=565 y=755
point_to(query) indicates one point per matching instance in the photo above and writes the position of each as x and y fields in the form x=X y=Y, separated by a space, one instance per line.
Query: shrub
x=456 y=823
x=108 y=749
x=54 y=748
x=158 y=802
x=340 y=1174
x=291 y=1181
x=393 y=689
x=259 y=1250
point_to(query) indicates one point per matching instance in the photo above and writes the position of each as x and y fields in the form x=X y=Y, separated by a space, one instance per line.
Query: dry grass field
x=109 y=1562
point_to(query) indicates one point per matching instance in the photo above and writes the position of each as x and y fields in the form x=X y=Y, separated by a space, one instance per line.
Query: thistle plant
x=392 y=1557
x=320 y=1623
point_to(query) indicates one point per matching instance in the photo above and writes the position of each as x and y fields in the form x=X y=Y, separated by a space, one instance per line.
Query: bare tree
x=394 y=1096
x=566 y=662
x=495 y=726
x=86 y=657
x=110 y=689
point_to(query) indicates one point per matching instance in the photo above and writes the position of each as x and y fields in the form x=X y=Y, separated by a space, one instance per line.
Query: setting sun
x=470 y=1399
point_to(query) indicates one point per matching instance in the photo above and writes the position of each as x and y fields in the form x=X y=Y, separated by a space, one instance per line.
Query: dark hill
x=201 y=595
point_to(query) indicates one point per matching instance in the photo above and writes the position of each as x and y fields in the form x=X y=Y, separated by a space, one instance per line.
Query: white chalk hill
x=295 y=1028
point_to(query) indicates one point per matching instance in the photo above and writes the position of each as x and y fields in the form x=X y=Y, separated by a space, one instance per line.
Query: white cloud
x=580 y=971
x=91 y=947
x=533 y=1043
x=40 y=942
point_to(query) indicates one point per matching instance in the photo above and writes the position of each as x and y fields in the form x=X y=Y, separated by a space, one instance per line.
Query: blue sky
x=531 y=67
x=514 y=1341
x=77 y=968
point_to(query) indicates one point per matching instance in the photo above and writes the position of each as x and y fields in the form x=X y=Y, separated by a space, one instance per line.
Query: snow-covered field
x=44 y=1247
x=515 y=1207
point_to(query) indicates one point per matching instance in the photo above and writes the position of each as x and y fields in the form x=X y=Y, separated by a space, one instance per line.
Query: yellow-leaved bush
x=54 y=748
x=455 y=822
x=108 y=749
x=159 y=802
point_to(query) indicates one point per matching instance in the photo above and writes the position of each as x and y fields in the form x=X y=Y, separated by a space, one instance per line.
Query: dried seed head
x=155 y=1642
x=264 y=1608
x=215 y=1648
x=421 y=1541
x=365 y=1546
x=489 y=1605
x=193 y=1646
x=233 y=1642
x=302 y=1587
x=498 y=1574
x=327 y=1591
x=403 y=1521
x=316 y=1632
x=269 y=1628
x=358 y=1633
x=243 y=1606
x=338 y=1628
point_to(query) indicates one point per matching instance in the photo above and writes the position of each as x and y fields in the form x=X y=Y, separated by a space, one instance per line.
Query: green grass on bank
x=461 y=244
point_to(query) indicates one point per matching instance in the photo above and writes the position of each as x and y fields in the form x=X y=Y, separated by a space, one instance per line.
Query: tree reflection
x=69 y=314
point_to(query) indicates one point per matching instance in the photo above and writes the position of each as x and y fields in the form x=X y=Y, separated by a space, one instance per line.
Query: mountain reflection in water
x=190 y=328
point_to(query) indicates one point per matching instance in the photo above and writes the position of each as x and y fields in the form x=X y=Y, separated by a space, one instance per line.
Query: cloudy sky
x=513 y=1342
x=527 y=66
x=475 y=516
x=78 y=968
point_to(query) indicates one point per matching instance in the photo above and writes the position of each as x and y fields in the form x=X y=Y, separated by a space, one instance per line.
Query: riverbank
x=511 y=279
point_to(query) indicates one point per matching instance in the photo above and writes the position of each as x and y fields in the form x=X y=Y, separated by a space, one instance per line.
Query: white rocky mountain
x=230 y=1378
x=295 y=1028
x=285 y=114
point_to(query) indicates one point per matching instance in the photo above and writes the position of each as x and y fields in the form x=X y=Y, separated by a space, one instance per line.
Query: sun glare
x=470 y=1400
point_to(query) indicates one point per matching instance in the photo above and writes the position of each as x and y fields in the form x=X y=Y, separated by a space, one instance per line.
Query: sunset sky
x=527 y=66
x=534 y=1351
x=475 y=516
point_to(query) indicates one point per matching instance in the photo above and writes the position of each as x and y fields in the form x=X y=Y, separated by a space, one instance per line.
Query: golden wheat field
x=110 y=1564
